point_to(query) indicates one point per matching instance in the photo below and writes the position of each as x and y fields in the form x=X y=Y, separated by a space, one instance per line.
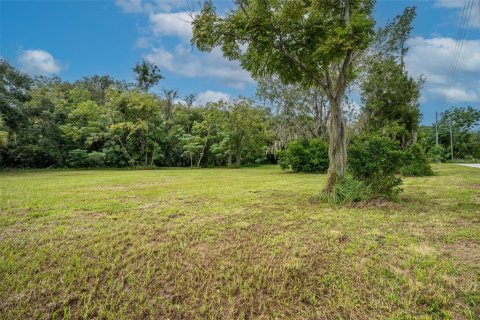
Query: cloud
x=433 y=58
x=38 y=62
x=131 y=6
x=458 y=6
x=142 y=43
x=450 y=3
x=452 y=94
x=142 y=6
x=170 y=19
x=171 y=24
x=183 y=62
x=211 y=96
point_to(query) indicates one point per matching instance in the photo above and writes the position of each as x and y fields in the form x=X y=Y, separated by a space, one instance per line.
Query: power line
x=459 y=36
x=462 y=31
x=462 y=38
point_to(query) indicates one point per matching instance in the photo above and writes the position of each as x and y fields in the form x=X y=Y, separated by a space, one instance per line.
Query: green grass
x=235 y=244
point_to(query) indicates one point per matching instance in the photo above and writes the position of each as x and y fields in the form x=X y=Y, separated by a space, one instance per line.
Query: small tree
x=148 y=75
x=246 y=128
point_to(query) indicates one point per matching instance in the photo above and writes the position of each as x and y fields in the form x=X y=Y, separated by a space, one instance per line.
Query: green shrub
x=79 y=158
x=416 y=163
x=375 y=160
x=115 y=156
x=436 y=154
x=305 y=156
x=96 y=159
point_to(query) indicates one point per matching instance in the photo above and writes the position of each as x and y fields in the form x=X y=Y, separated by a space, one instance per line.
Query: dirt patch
x=467 y=252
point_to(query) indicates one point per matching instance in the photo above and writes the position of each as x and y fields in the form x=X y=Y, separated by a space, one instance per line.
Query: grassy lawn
x=235 y=244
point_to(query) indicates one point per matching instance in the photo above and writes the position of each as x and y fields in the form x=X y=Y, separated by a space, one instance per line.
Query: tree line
x=102 y=122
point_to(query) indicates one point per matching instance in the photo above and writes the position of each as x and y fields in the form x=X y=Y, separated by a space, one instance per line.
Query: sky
x=73 y=39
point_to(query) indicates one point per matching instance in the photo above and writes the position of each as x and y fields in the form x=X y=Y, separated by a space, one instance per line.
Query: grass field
x=235 y=244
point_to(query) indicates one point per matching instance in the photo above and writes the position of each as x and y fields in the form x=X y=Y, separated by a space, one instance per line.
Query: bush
x=305 y=156
x=416 y=163
x=436 y=154
x=375 y=160
x=96 y=159
x=82 y=159
x=115 y=156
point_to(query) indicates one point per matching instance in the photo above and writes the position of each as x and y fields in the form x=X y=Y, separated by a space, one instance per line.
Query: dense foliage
x=376 y=160
x=305 y=156
x=390 y=98
x=100 y=122
x=415 y=162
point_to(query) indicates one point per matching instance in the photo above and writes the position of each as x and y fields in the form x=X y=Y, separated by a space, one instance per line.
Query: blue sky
x=80 y=38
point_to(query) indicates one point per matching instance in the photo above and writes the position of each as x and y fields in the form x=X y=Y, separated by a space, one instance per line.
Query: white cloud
x=458 y=5
x=142 y=6
x=453 y=94
x=169 y=5
x=142 y=43
x=433 y=58
x=171 y=24
x=450 y=3
x=211 y=96
x=183 y=62
x=38 y=62
x=131 y=6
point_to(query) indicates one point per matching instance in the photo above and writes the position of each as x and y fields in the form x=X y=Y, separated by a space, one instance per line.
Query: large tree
x=312 y=42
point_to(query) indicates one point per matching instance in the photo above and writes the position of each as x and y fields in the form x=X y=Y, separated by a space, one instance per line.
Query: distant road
x=472 y=165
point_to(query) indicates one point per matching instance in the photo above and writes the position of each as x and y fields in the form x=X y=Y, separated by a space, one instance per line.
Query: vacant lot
x=235 y=244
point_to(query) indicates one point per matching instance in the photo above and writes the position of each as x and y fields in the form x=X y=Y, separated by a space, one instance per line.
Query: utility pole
x=436 y=129
x=451 y=138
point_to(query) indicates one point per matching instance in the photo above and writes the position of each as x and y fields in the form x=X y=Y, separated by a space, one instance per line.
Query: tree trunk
x=238 y=157
x=203 y=149
x=132 y=161
x=153 y=155
x=337 y=149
